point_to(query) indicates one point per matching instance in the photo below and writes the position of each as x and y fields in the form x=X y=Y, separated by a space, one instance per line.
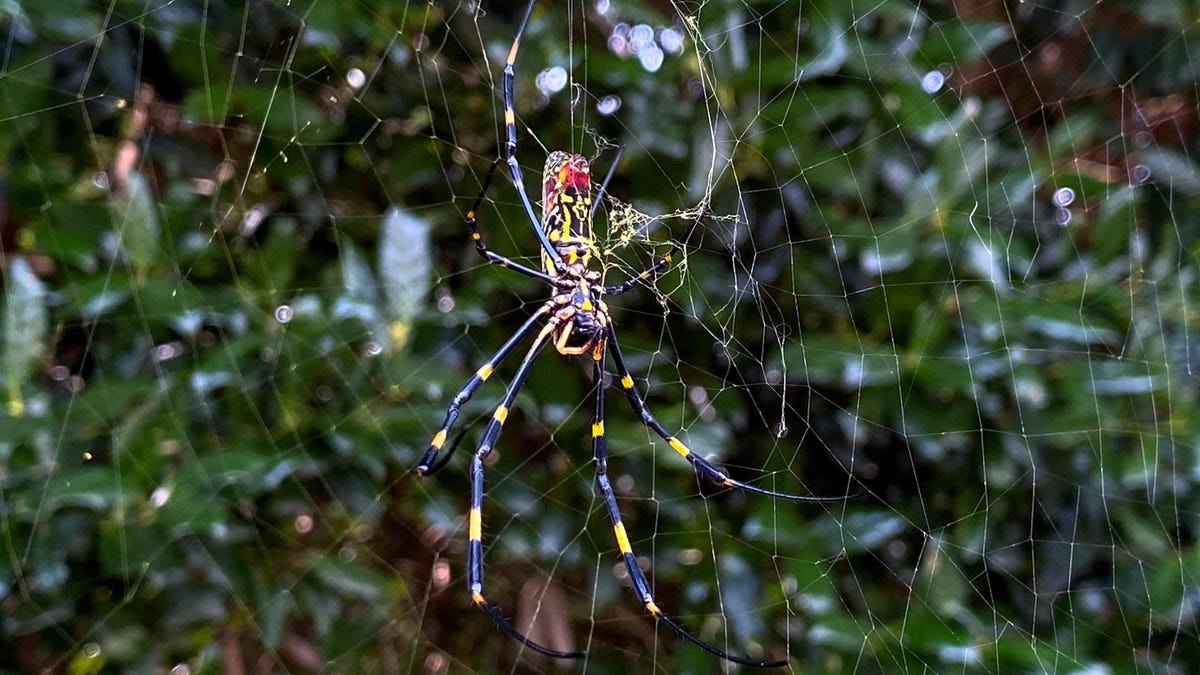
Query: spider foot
x=503 y=624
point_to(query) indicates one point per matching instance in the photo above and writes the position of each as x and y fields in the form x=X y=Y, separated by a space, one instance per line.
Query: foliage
x=949 y=251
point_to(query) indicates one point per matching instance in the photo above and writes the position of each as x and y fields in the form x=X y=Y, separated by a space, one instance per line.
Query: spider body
x=576 y=321
x=580 y=312
x=567 y=209
x=582 y=320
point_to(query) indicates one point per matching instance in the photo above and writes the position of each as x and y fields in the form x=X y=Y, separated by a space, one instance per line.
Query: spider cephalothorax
x=576 y=321
x=581 y=319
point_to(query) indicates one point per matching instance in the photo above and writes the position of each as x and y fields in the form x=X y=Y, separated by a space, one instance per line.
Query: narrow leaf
x=25 y=327
x=136 y=223
x=406 y=270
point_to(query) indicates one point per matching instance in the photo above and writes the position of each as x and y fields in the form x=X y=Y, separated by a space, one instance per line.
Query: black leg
x=510 y=145
x=640 y=585
x=468 y=390
x=481 y=246
x=656 y=267
x=702 y=466
x=634 y=281
x=475 y=518
x=612 y=169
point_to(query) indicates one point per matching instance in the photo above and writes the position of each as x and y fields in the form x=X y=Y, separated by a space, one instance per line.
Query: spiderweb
x=945 y=253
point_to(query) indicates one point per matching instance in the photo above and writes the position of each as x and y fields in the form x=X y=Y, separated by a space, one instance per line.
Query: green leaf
x=96 y=488
x=866 y=531
x=1115 y=223
x=135 y=222
x=360 y=298
x=406 y=269
x=351 y=578
x=960 y=41
x=25 y=327
x=1172 y=166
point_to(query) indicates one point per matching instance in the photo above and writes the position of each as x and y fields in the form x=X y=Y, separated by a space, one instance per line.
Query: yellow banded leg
x=641 y=586
x=510 y=146
x=477 y=237
x=475 y=515
x=656 y=267
x=701 y=465
x=426 y=465
x=636 y=577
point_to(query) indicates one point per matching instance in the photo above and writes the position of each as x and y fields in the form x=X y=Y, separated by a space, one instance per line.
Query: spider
x=576 y=321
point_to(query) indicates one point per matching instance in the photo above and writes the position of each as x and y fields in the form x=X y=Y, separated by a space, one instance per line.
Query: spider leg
x=636 y=576
x=475 y=518
x=702 y=466
x=481 y=246
x=612 y=169
x=460 y=399
x=510 y=144
x=656 y=267
x=449 y=452
x=634 y=281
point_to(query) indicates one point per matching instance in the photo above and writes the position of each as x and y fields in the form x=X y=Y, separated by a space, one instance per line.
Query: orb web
x=944 y=254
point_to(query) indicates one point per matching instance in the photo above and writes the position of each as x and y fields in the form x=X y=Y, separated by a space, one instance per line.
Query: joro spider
x=576 y=321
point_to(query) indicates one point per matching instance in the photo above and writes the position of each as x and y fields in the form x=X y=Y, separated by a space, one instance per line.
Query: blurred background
x=946 y=252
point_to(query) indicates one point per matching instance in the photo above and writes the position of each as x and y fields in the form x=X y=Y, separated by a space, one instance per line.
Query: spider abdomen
x=567 y=209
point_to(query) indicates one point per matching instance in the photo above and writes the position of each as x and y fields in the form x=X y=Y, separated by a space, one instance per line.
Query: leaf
x=1116 y=220
x=359 y=299
x=351 y=578
x=25 y=327
x=1176 y=168
x=959 y=42
x=95 y=488
x=868 y=530
x=741 y=595
x=406 y=270
x=135 y=222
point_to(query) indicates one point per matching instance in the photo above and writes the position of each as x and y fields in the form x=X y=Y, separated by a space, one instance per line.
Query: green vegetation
x=950 y=250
